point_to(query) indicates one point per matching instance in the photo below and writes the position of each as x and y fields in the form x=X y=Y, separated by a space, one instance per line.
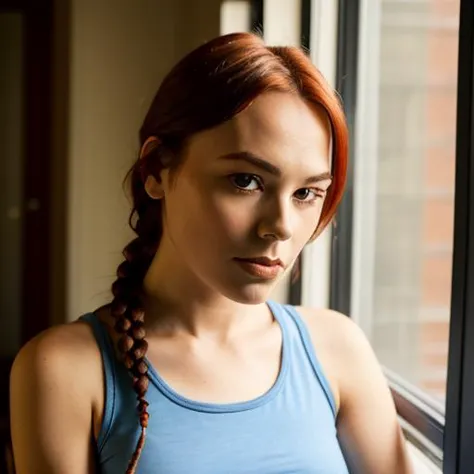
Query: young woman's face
x=249 y=195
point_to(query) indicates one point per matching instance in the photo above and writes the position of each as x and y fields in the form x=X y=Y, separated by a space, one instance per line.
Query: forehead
x=279 y=127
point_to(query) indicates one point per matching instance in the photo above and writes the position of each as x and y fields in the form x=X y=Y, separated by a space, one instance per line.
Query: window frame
x=346 y=85
x=459 y=427
x=422 y=420
x=256 y=16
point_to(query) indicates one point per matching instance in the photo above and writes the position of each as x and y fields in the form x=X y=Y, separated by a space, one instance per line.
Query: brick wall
x=415 y=199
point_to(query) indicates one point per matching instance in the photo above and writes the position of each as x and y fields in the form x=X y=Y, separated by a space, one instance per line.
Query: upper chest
x=223 y=373
x=286 y=433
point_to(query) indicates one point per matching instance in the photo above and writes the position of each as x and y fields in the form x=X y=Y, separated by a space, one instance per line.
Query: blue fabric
x=288 y=430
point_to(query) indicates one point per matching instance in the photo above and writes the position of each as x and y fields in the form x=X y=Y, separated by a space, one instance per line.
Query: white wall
x=235 y=16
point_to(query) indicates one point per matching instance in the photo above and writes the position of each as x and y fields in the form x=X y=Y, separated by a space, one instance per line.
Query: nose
x=275 y=223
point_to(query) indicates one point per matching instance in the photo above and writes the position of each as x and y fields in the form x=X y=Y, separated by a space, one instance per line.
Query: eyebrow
x=269 y=167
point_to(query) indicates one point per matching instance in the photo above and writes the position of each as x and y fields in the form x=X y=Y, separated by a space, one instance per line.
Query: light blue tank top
x=288 y=430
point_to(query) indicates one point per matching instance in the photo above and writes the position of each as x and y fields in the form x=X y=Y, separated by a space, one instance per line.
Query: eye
x=245 y=182
x=308 y=194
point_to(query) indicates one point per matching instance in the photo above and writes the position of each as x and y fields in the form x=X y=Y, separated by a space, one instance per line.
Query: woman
x=243 y=162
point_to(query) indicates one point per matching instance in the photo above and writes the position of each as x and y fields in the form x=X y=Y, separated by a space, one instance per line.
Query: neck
x=178 y=301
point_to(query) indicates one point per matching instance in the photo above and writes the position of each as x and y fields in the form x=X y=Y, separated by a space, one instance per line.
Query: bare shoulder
x=336 y=338
x=55 y=381
x=333 y=329
x=344 y=347
x=58 y=351
x=63 y=360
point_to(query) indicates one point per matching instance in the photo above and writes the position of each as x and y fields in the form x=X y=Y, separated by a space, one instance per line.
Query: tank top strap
x=293 y=325
x=104 y=341
x=279 y=313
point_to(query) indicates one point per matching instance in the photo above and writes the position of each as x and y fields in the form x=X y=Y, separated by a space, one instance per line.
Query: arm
x=367 y=424
x=368 y=428
x=51 y=406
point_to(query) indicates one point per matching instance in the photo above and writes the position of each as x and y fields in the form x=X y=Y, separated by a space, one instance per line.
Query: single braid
x=129 y=323
x=127 y=307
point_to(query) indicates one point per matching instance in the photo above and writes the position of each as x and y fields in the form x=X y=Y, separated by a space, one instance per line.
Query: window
x=401 y=261
x=404 y=185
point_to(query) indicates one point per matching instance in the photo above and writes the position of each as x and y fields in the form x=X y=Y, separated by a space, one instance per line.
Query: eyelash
x=318 y=193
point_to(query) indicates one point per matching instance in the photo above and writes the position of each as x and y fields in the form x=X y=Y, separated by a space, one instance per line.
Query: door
x=25 y=170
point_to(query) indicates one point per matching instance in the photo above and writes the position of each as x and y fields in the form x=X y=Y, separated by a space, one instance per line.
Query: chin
x=252 y=294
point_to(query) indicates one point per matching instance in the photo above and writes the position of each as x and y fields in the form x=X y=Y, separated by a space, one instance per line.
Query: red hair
x=210 y=85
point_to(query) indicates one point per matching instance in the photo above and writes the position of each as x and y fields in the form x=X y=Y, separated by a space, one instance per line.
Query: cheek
x=232 y=217
x=207 y=221
x=308 y=222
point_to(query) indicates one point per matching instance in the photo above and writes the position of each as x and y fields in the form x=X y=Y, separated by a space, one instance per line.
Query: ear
x=154 y=188
x=150 y=144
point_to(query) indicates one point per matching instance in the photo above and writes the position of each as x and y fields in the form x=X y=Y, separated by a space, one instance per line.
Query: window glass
x=404 y=185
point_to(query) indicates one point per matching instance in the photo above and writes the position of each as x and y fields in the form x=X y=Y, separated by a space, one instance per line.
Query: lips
x=261 y=267
x=268 y=262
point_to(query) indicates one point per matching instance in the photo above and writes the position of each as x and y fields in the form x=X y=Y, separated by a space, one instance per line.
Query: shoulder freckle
x=57 y=352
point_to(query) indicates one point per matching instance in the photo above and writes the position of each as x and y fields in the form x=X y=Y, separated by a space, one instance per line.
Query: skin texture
x=210 y=334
